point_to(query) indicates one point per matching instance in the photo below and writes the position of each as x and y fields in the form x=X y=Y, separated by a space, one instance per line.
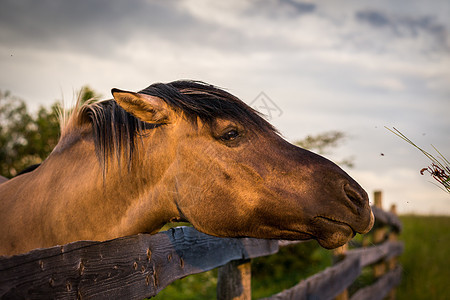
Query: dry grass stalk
x=440 y=166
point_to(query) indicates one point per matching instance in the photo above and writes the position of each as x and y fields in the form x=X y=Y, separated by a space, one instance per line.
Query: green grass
x=426 y=260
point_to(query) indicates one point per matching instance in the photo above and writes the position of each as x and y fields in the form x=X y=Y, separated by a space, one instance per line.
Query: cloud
x=94 y=27
x=281 y=8
x=374 y=18
x=101 y=27
x=300 y=7
x=383 y=84
x=408 y=26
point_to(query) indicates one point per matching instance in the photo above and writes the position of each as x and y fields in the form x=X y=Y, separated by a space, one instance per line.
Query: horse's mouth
x=335 y=222
x=333 y=233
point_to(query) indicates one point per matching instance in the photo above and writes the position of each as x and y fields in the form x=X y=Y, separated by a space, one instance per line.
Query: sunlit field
x=426 y=271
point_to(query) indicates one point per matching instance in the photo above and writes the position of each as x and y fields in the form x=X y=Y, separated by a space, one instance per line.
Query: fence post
x=393 y=261
x=379 y=236
x=234 y=280
x=338 y=254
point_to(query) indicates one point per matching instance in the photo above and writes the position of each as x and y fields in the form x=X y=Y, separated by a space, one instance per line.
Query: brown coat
x=179 y=151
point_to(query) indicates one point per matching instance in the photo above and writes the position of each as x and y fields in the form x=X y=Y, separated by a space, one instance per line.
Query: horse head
x=230 y=174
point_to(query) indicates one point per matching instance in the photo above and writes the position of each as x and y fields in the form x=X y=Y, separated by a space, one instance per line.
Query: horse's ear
x=146 y=108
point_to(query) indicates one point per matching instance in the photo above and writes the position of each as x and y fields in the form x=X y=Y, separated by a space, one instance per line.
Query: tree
x=321 y=144
x=26 y=138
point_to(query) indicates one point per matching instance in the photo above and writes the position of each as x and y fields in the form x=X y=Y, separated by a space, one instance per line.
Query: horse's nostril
x=354 y=195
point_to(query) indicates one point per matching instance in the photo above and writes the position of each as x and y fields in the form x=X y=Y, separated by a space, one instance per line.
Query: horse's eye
x=230 y=135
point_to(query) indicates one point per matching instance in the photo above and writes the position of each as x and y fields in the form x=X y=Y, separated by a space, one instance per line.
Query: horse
x=180 y=151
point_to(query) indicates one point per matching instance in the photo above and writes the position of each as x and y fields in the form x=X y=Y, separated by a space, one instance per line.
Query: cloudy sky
x=353 y=66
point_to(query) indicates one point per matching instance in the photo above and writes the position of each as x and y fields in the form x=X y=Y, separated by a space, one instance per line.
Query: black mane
x=115 y=130
x=199 y=99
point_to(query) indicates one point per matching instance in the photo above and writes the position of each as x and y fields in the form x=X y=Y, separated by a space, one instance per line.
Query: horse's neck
x=18 y=214
x=60 y=202
x=16 y=190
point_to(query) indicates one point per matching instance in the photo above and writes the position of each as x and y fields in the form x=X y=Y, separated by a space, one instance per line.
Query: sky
x=309 y=66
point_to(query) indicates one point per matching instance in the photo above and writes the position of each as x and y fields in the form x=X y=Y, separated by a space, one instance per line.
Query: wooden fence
x=142 y=265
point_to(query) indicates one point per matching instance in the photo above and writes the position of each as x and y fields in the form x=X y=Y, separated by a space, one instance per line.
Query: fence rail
x=334 y=280
x=133 y=267
x=142 y=265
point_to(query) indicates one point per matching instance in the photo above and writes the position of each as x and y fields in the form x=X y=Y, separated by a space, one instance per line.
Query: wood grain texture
x=234 y=281
x=132 y=267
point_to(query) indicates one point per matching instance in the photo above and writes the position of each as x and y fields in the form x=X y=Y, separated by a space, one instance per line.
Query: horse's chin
x=336 y=235
x=329 y=240
x=335 y=242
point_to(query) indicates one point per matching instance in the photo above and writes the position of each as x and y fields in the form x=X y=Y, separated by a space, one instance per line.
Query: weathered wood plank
x=381 y=288
x=387 y=218
x=338 y=254
x=132 y=267
x=234 y=281
x=324 y=285
x=331 y=282
x=370 y=255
